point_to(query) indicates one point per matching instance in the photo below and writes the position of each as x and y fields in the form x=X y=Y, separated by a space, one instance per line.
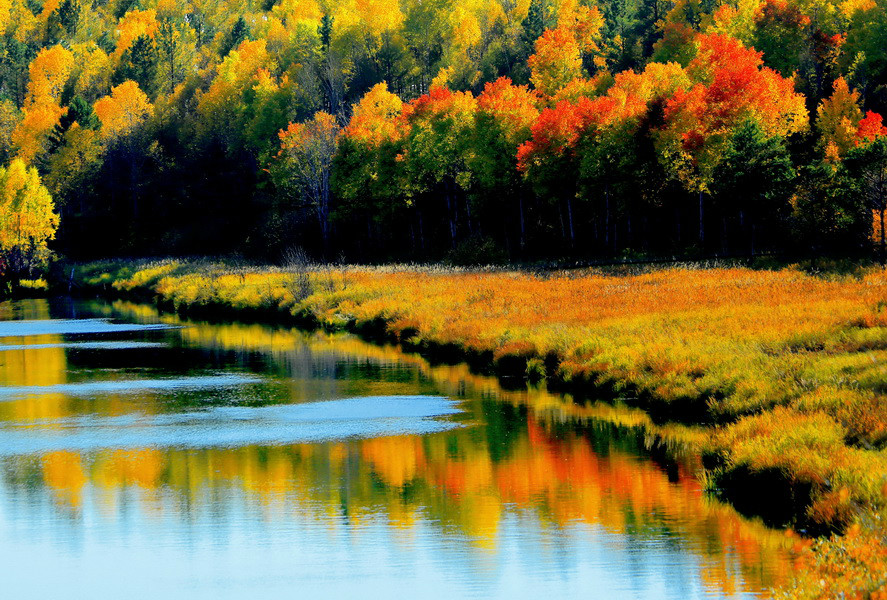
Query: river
x=143 y=456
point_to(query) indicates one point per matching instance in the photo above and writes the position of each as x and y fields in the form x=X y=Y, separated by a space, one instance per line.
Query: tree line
x=469 y=129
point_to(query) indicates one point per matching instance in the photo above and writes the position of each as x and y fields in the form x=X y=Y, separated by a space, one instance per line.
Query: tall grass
x=787 y=367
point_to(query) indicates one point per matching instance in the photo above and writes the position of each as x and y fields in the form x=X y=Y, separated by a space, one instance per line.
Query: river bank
x=783 y=367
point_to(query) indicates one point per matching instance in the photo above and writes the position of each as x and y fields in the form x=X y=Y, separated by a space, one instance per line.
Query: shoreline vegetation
x=495 y=132
x=785 y=369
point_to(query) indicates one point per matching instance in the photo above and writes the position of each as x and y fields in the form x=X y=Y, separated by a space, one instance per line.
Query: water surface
x=142 y=457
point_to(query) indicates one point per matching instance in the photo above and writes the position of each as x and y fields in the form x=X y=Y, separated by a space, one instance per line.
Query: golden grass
x=787 y=367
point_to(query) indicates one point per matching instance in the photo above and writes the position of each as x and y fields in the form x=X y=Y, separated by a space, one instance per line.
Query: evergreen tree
x=139 y=64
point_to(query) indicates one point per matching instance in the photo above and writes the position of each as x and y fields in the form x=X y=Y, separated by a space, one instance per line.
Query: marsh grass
x=787 y=367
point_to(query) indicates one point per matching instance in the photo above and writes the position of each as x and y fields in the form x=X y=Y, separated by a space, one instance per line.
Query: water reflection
x=220 y=490
x=236 y=426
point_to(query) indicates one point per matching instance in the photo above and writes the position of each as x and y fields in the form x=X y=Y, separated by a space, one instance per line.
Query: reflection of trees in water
x=22 y=366
x=552 y=465
x=451 y=479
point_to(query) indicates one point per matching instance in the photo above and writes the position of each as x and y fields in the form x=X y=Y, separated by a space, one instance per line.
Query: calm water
x=142 y=456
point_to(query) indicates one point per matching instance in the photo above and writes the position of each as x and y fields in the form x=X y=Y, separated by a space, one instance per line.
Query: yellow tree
x=584 y=23
x=379 y=16
x=5 y=14
x=71 y=167
x=92 y=74
x=17 y=20
x=122 y=115
x=48 y=74
x=837 y=120
x=134 y=24
x=557 y=61
x=27 y=218
x=374 y=119
x=222 y=106
x=123 y=111
x=737 y=20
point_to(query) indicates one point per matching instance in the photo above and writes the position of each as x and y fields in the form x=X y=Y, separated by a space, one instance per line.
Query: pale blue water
x=187 y=460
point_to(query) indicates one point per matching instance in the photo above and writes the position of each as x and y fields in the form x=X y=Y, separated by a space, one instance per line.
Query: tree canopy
x=384 y=130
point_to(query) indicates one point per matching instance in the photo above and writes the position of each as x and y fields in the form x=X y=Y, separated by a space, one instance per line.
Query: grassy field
x=787 y=369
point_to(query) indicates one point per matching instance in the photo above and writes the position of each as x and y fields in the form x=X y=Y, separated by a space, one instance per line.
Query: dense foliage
x=27 y=220
x=479 y=128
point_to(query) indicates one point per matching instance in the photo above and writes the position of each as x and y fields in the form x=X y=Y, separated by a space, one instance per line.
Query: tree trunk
x=645 y=232
x=523 y=231
x=450 y=215
x=468 y=214
x=629 y=240
x=724 y=234
x=133 y=184
x=883 y=249
x=607 y=218
x=701 y=218
x=323 y=210
x=677 y=222
x=570 y=222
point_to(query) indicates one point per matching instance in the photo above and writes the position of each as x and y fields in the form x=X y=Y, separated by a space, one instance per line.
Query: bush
x=477 y=250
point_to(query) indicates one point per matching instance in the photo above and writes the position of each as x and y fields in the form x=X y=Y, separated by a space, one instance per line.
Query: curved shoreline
x=813 y=501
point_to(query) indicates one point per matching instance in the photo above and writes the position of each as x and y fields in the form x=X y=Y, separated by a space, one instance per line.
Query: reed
x=786 y=368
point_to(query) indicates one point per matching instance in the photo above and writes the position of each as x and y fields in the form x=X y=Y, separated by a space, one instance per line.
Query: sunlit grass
x=788 y=368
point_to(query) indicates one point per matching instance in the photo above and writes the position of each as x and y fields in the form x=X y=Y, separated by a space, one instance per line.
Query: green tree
x=15 y=57
x=753 y=184
x=239 y=32
x=176 y=44
x=435 y=153
x=305 y=163
x=504 y=117
x=867 y=168
x=829 y=214
x=863 y=56
x=139 y=63
x=63 y=21
x=10 y=116
x=79 y=111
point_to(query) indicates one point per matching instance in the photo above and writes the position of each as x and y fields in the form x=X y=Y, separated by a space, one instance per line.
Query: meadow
x=785 y=368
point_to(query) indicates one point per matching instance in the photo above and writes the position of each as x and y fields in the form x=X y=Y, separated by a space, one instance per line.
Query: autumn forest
x=469 y=130
x=476 y=189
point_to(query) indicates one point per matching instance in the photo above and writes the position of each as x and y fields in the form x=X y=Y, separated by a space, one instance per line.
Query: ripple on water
x=84 y=346
x=363 y=417
x=127 y=386
x=74 y=327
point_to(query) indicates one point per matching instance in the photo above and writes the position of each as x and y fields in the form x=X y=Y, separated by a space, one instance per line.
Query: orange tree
x=549 y=160
x=620 y=179
x=730 y=87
